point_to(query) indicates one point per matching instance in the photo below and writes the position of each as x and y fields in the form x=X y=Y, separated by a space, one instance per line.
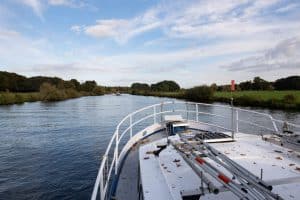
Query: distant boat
x=157 y=154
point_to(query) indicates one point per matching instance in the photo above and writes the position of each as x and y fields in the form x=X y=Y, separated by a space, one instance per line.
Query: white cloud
x=284 y=55
x=68 y=3
x=59 y=2
x=107 y=28
x=229 y=19
x=36 y=6
x=288 y=8
x=76 y=28
x=257 y=7
x=194 y=19
x=124 y=29
x=23 y=51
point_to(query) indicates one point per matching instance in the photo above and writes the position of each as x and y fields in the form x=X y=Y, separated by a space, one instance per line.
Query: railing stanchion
x=117 y=151
x=154 y=114
x=274 y=124
x=197 y=110
x=101 y=189
x=236 y=121
x=161 y=110
x=187 y=111
x=232 y=119
x=130 y=119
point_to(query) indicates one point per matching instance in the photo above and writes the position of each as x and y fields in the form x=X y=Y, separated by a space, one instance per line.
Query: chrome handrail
x=107 y=168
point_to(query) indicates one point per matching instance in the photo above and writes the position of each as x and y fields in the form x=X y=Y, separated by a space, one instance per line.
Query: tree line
x=163 y=86
x=205 y=93
x=12 y=82
x=16 y=88
x=288 y=83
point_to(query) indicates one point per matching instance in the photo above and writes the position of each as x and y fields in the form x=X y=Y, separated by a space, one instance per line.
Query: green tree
x=140 y=86
x=246 y=85
x=98 y=90
x=165 y=86
x=200 y=93
x=75 y=83
x=261 y=84
x=88 y=86
x=289 y=83
x=214 y=87
x=49 y=92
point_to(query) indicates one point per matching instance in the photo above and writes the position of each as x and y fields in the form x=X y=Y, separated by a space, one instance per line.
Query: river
x=53 y=150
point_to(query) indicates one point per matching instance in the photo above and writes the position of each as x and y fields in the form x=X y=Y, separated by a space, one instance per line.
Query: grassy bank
x=266 y=99
x=7 y=98
x=48 y=93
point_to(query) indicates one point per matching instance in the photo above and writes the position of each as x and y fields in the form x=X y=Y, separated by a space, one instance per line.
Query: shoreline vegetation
x=285 y=100
x=17 y=89
x=281 y=94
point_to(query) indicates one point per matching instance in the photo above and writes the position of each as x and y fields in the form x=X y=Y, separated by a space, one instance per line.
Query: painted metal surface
x=278 y=163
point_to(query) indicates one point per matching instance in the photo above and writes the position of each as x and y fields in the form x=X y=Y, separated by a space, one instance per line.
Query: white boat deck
x=164 y=179
x=127 y=187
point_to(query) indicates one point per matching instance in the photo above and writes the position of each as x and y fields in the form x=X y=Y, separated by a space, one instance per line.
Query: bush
x=289 y=98
x=165 y=86
x=199 y=93
x=34 y=97
x=72 y=93
x=51 y=93
x=19 y=98
x=7 y=98
x=98 y=90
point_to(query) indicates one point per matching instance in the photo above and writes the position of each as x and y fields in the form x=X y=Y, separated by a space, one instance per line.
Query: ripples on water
x=52 y=150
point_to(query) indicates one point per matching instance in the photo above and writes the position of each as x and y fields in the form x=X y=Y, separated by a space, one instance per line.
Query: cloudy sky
x=118 y=42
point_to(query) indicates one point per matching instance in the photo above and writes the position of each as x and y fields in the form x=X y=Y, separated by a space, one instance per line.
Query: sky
x=118 y=42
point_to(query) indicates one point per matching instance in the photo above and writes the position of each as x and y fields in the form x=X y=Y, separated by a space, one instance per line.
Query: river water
x=53 y=150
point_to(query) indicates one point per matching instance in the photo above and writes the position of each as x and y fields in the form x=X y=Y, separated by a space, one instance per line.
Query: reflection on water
x=53 y=150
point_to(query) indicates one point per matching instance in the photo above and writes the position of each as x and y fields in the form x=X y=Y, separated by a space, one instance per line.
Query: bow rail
x=193 y=112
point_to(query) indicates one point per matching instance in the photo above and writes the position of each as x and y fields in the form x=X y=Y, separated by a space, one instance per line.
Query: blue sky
x=118 y=42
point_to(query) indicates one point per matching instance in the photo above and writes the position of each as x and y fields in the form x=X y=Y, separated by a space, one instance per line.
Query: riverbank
x=8 y=98
x=266 y=99
x=286 y=100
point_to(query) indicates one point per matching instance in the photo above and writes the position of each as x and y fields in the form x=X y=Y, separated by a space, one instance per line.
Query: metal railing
x=111 y=159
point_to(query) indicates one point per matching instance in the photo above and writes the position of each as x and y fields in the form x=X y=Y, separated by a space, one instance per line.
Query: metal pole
x=101 y=189
x=241 y=173
x=232 y=118
x=130 y=119
x=202 y=188
x=117 y=151
x=238 y=170
x=197 y=110
x=236 y=121
x=274 y=124
x=154 y=114
x=211 y=187
x=161 y=109
x=187 y=111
